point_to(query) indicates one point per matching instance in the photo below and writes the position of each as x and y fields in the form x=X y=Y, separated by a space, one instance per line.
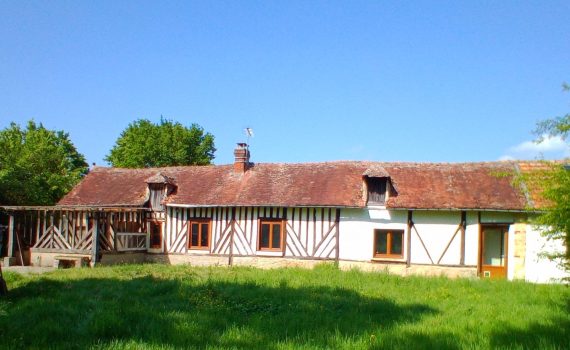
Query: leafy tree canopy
x=557 y=126
x=555 y=182
x=37 y=166
x=145 y=144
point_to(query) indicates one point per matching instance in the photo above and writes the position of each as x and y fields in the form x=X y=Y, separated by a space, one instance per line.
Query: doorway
x=494 y=250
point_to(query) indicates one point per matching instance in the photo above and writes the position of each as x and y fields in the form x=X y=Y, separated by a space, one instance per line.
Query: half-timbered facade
x=464 y=219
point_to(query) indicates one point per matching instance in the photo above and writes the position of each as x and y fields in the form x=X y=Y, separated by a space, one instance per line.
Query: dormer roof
x=376 y=170
x=160 y=178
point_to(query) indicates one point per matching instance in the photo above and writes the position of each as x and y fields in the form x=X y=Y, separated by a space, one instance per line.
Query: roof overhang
x=73 y=207
x=260 y=205
x=470 y=209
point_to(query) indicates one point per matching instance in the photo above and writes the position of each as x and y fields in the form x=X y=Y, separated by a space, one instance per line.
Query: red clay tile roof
x=337 y=184
x=534 y=173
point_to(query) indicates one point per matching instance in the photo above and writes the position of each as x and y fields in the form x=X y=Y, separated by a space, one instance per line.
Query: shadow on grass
x=547 y=334
x=154 y=312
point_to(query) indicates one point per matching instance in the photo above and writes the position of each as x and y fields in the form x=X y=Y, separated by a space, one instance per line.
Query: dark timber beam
x=232 y=233
x=409 y=240
x=463 y=228
x=11 y=236
x=480 y=250
x=95 y=244
x=337 y=238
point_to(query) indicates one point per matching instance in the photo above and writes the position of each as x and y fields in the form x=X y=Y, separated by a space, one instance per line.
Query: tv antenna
x=248 y=133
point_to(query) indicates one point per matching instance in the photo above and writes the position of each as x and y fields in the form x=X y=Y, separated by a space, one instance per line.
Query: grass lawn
x=177 y=307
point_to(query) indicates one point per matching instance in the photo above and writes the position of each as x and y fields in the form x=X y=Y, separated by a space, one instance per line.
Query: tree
x=557 y=126
x=37 y=166
x=555 y=185
x=144 y=144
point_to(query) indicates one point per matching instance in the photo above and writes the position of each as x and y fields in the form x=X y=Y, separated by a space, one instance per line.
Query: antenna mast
x=248 y=133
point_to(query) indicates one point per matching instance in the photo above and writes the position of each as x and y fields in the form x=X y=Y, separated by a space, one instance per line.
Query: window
x=155 y=234
x=199 y=234
x=270 y=234
x=377 y=190
x=388 y=243
x=156 y=196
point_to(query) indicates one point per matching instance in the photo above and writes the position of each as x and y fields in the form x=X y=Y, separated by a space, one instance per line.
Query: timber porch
x=72 y=235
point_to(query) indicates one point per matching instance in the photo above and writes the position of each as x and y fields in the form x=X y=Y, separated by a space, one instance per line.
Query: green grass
x=177 y=307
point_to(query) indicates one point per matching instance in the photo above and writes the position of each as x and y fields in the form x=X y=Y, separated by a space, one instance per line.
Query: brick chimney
x=241 y=162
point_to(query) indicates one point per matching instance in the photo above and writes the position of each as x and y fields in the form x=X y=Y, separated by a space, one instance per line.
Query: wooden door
x=494 y=251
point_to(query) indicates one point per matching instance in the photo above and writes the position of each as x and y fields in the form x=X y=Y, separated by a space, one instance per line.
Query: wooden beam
x=232 y=232
x=44 y=226
x=462 y=242
x=480 y=250
x=11 y=236
x=409 y=240
x=52 y=224
x=95 y=240
x=337 y=235
x=38 y=215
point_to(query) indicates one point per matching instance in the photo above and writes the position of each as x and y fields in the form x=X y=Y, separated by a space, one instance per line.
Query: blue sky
x=363 y=80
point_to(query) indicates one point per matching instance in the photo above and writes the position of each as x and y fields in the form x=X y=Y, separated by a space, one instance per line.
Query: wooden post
x=44 y=224
x=233 y=230
x=462 y=242
x=52 y=225
x=11 y=236
x=480 y=250
x=337 y=236
x=409 y=242
x=95 y=244
x=284 y=233
x=37 y=226
x=115 y=229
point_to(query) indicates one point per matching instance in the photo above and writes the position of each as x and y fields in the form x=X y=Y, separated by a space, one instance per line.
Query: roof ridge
x=330 y=162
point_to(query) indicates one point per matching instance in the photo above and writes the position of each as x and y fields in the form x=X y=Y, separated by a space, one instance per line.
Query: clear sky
x=447 y=81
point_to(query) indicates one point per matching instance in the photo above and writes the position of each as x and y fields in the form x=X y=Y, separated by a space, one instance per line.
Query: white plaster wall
x=472 y=239
x=436 y=230
x=356 y=236
x=540 y=269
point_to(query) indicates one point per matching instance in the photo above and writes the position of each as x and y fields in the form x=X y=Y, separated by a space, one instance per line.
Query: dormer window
x=377 y=190
x=156 y=196
x=379 y=185
x=159 y=187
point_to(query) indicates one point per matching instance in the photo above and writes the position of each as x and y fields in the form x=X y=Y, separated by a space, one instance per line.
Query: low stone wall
x=47 y=259
x=218 y=260
x=403 y=270
x=279 y=262
x=123 y=258
x=189 y=259
x=42 y=259
x=273 y=263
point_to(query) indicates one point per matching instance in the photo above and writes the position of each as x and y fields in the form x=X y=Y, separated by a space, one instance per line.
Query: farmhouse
x=464 y=219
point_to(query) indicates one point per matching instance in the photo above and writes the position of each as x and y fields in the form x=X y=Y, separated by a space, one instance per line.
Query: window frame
x=388 y=255
x=271 y=222
x=200 y=222
x=158 y=224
